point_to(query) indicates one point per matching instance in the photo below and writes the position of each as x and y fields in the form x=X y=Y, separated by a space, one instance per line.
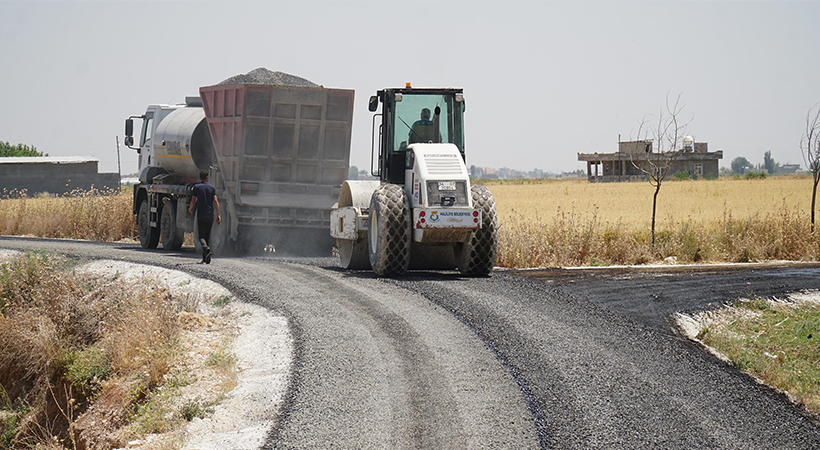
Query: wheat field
x=548 y=222
x=574 y=222
x=93 y=215
x=631 y=203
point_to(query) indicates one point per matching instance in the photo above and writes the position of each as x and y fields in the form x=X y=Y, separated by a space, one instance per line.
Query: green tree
x=353 y=173
x=8 y=150
x=740 y=164
x=769 y=163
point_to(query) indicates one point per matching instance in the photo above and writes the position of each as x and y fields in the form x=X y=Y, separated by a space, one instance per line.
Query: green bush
x=9 y=423
x=88 y=367
x=8 y=150
x=195 y=409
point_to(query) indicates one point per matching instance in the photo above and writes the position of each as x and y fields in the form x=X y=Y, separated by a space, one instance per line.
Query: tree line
x=9 y=151
x=741 y=165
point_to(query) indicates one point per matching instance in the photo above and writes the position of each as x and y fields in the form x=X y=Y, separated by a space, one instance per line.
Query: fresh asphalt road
x=551 y=359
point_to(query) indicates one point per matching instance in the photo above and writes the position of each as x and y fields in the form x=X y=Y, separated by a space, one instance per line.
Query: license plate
x=446 y=185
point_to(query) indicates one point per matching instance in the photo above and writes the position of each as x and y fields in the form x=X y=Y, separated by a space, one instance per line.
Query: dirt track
x=557 y=359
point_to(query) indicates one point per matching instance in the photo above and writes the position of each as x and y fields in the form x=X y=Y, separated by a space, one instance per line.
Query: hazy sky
x=542 y=80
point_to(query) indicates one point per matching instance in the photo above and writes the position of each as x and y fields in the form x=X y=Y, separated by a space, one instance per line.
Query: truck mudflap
x=437 y=218
x=347 y=222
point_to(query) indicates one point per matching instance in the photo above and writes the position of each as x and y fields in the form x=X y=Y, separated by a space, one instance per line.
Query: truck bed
x=282 y=151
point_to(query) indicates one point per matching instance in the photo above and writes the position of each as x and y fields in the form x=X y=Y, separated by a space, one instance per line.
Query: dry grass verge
x=89 y=361
x=576 y=239
x=573 y=222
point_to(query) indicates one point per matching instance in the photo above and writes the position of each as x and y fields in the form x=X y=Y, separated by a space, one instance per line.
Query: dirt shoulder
x=259 y=340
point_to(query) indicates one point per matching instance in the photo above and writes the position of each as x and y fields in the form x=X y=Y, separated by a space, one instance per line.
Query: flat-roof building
x=54 y=175
x=621 y=165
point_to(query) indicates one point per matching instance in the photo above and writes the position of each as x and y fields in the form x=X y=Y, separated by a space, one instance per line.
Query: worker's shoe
x=206 y=252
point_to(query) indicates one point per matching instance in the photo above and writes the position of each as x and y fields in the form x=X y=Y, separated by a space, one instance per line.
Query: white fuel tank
x=183 y=145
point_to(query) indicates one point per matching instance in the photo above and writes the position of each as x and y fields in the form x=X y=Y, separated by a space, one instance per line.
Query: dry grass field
x=547 y=222
x=574 y=222
x=92 y=215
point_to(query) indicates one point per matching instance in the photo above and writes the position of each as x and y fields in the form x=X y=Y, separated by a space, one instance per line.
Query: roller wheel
x=389 y=235
x=171 y=235
x=476 y=257
x=149 y=237
x=353 y=254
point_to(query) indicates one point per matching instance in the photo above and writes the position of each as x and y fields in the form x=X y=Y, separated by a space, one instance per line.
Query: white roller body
x=349 y=219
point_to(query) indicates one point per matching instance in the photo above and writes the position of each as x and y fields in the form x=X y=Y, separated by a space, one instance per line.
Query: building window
x=698 y=170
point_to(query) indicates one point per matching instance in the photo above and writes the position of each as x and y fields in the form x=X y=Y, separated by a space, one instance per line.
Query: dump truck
x=423 y=212
x=276 y=147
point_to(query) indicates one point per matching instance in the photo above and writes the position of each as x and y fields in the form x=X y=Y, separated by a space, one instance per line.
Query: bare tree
x=663 y=146
x=810 y=147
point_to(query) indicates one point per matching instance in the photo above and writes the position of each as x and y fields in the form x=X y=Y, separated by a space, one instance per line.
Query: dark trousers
x=205 y=224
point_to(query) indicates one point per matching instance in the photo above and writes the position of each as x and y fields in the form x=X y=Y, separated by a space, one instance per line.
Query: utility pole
x=119 y=166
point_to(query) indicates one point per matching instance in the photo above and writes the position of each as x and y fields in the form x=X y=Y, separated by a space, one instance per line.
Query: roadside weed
x=221 y=360
x=222 y=301
x=776 y=341
x=196 y=408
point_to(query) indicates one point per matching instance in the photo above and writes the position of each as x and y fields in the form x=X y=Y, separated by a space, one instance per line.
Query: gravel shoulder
x=259 y=339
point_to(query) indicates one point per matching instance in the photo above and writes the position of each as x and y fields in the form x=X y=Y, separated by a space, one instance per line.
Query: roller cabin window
x=415 y=121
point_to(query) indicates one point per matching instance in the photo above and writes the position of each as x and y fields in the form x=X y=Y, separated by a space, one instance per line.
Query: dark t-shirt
x=422 y=131
x=204 y=193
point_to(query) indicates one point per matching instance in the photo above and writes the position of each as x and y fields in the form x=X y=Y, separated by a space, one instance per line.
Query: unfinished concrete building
x=695 y=159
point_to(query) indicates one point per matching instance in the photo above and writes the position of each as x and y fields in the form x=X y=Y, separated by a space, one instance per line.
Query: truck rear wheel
x=476 y=256
x=149 y=236
x=171 y=235
x=389 y=235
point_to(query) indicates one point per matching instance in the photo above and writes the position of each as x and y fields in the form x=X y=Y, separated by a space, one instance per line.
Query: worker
x=203 y=196
x=423 y=130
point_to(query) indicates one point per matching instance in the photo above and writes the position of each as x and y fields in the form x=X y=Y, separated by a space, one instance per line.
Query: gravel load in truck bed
x=269 y=77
